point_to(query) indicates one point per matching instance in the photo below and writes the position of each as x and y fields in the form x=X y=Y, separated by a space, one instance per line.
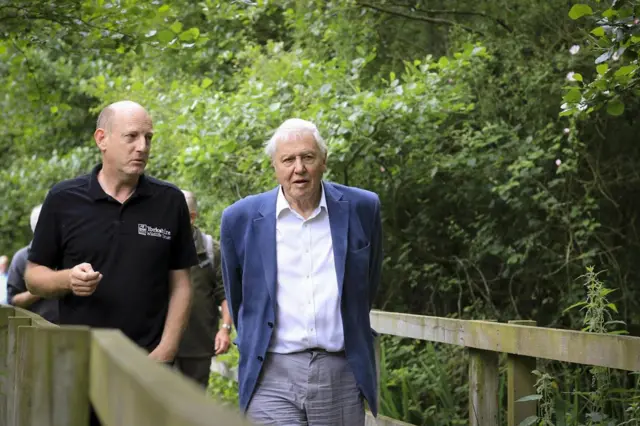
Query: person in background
x=18 y=295
x=204 y=337
x=301 y=266
x=4 y=263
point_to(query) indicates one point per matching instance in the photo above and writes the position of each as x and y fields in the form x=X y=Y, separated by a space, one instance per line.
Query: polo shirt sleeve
x=46 y=247
x=183 y=249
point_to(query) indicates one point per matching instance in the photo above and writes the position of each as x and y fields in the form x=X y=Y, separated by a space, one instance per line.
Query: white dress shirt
x=308 y=304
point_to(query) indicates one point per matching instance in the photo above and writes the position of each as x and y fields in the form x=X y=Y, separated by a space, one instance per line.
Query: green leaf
x=577 y=77
x=165 y=36
x=615 y=107
x=531 y=420
x=602 y=68
x=53 y=109
x=176 y=27
x=206 y=83
x=626 y=70
x=190 y=34
x=274 y=106
x=3 y=49
x=575 y=305
x=443 y=61
x=598 y=32
x=534 y=397
x=580 y=10
x=613 y=307
x=573 y=95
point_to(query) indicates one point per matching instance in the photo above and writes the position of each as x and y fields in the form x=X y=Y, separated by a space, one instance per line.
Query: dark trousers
x=196 y=368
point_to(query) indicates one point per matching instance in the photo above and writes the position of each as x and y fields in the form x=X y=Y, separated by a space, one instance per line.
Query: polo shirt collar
x=97 y=193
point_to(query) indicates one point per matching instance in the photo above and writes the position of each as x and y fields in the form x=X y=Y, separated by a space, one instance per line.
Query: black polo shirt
x=133 y=244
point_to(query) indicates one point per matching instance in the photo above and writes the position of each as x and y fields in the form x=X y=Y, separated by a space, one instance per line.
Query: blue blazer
x=248 y=254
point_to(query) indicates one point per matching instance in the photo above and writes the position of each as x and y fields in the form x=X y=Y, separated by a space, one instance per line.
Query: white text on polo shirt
x=150 y=231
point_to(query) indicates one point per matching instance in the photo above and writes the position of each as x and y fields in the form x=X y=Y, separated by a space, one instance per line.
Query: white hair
x=294 y=126
x=33 y=219
x=192 y=203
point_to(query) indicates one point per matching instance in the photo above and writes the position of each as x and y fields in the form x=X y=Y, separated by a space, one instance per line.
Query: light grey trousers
x=306 y=389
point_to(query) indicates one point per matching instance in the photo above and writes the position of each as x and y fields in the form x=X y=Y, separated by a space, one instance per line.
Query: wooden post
x=70 y=347
x=13 y=365
x=521 y=382
x=41 y=364
x=5 y=313
x=483 y=387
x=24 y=384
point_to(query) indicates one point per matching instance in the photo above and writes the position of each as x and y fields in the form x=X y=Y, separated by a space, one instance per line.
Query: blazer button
x=270 y=324
x=260 y=359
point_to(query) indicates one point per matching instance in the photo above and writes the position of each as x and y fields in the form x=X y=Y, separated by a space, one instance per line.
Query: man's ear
x=100 y=136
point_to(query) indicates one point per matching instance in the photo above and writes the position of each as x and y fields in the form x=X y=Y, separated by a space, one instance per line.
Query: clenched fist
x=84 y=279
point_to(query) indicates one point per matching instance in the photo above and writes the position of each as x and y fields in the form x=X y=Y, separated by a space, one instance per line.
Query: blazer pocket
x=360 y=250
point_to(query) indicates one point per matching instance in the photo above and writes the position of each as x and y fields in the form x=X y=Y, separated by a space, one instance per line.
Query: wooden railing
x=523 y=343
x=49 y=374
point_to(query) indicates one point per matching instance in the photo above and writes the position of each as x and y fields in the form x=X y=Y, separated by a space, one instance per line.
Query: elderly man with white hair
x=301 y=266
x=18 y=294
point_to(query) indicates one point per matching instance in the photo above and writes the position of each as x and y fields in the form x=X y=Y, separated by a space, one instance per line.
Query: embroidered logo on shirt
x=150 y=231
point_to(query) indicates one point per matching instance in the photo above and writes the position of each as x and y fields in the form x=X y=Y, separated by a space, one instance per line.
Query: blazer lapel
x=339 y=222
x=264 y=227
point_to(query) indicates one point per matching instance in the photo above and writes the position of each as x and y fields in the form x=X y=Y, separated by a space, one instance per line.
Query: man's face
x=3 y=264
x=299 y=165
x=126 y=147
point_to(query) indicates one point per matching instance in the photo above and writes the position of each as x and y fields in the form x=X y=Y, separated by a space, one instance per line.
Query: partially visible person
x=202 y=339
x=4 y=263
x=17 y=292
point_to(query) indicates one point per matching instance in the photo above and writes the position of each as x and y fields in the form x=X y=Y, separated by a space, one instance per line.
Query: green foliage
x=492 y=202
x=615 y=40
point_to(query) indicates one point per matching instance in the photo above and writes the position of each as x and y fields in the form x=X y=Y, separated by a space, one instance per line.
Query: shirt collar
x=97 y=193
x=282 y=203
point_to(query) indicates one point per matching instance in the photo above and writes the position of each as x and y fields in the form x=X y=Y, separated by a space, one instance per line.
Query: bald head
x=107 y=115
x=192 y=204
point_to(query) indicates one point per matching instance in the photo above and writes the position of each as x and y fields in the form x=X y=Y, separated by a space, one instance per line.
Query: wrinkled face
x=299 y=165
x=126 y=147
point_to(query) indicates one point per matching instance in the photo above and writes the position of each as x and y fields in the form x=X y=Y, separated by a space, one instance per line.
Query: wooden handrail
x=102 y=366
x=604 y=350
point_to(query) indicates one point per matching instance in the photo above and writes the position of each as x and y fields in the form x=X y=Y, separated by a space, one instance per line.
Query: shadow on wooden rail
x=48 y=375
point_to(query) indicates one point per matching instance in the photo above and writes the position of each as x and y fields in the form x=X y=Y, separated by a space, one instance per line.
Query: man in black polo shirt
x=115 y=245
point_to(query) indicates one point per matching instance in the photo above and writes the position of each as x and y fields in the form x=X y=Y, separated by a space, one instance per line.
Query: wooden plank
x=369 y=420
x=13 y=365
x=484 y=381
x=5 y=313
x=126 y=388
x=24 y=384
x=42 y=364
x=520 y=382
x=69 y=347
x=619 y=352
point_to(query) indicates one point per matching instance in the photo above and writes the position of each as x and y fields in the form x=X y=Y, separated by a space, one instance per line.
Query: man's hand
x=222 y=341
x=83 y=279
x=162 y=354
